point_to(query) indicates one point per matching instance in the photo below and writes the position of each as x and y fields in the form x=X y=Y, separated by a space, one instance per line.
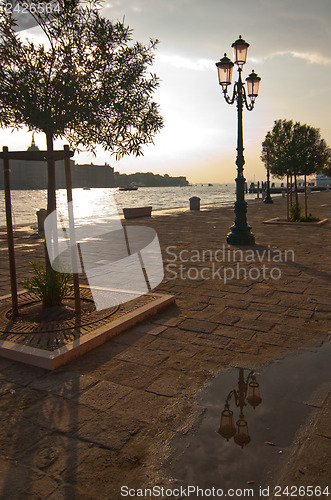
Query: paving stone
x=235 y=289
x=165 y=345
x=295 y=288
x=144 y=341
x=241 y=347
x=270 y=317
x=103 y=395
x=214 y=294
x=217 y=353
x=208 y=312
x=109 y=429
x=322 y=291
x=227 y=317
x=17 y=400
x=170 y=383
x=156 y=330
x=67 y=384
x=57 y=413
x=299 y=313
x=182 y=416
x=142 y=356
x=56 y=453
x=257 y=325
x=131 y=374
x=269 y=308
x=129 y=337
x=297 y=302
x=198 y=326
x=97 y=477
x=234 y=332
x=214 y=339
x=270 y=338
x=17 y=435
x=318 y=299
x=267 y=300
x=185 y=336
x=5 y=363
x=6 y=385
x=174 y=321
x=22 y=374
x=17 y=479
x=143 y=406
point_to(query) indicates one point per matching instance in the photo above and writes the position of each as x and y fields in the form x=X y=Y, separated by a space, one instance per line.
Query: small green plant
x=295 y=212
x=295 y=215
x=51 y=289
x=309 y=218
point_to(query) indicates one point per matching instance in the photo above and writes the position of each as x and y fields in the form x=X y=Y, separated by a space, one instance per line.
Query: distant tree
x=327 y=169
x=88 y=83
x=292 y=149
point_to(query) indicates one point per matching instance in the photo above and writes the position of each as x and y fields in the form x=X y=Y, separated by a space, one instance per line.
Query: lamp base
x=268 y=199
x=240 y=236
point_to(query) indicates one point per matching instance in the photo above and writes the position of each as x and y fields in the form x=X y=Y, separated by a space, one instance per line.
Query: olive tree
x=87 y=83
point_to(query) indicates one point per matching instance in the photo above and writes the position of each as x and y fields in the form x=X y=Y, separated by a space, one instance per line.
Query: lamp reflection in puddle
x=249 y=391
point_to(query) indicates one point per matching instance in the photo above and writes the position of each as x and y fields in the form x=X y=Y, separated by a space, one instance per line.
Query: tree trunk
x=291 y=191
x=52 y=297
x=287 y=199
x=297 y=210
x=306 y=204
x=51 y=193
x=296 y=191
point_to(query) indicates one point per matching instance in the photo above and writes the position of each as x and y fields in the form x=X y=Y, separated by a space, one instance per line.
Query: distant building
x=27 y=174
x=322 y=180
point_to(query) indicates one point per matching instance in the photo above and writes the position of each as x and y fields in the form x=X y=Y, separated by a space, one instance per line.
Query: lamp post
x=240 y=233
x=268 y=198
x=249 y=391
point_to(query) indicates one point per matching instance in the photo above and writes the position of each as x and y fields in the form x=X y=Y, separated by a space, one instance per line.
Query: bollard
x=41 y=215
x=194 y=203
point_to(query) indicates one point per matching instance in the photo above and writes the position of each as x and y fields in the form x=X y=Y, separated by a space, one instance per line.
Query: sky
x=290 y=43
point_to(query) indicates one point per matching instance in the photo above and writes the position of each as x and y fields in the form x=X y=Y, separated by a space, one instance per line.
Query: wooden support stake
x=288 y=199
x=306 y=204
x=10 y=233
x=73 y=244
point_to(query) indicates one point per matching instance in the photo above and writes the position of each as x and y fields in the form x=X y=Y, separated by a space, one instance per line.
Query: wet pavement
x=290 y=390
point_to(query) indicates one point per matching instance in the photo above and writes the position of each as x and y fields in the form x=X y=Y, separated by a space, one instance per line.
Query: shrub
x=309 y=218
x=295 y=212
x=51 y=289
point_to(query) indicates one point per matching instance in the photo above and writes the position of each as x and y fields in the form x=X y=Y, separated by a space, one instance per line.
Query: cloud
x=310 y=57
x=185 y=62
x=203 y=64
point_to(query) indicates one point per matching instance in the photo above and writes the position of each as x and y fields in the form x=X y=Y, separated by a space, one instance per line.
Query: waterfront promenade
x=108 y=418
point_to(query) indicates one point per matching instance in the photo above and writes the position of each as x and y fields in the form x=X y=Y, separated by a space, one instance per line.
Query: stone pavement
x=108 y=418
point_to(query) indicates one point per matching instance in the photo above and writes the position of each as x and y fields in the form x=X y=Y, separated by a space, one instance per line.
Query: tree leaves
x=88 y=83
x=294 y=149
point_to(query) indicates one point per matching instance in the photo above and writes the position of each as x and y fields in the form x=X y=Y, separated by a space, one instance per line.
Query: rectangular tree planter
x=129 y=315
x=284 y=222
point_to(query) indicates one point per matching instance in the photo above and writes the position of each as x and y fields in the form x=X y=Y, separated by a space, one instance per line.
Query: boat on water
x=128 y=188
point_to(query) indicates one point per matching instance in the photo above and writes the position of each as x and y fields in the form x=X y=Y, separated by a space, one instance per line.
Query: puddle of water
x=207 y=459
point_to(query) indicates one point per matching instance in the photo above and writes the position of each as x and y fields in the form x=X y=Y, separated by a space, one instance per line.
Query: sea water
x=96 y=204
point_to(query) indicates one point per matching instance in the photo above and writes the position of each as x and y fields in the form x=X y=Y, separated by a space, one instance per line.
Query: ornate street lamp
x=249 y=391
x=240 y=233
x=268 y=198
